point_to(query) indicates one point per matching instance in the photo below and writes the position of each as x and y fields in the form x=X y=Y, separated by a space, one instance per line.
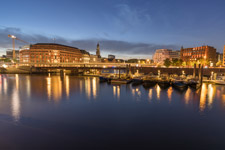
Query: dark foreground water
x=49 y=112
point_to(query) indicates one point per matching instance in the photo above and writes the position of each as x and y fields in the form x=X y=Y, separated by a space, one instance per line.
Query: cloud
x=106 y=46
x=127 y=18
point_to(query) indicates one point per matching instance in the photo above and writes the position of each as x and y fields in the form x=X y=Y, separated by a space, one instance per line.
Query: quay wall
x=187 y=71
x=145 y=70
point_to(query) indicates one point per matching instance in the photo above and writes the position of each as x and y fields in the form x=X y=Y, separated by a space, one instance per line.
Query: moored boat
x=164 y=84
x=179 y=84
x=120 y=81
x=103 y=79
x=149 y=83
x=193 y=83
x=137 y=81
x=220 y=82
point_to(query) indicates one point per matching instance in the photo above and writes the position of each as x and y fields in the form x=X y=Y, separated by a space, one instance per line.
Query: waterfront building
x=98 y=51
x=111 y=57
x=162 y=54
x=94 y=59
x=9 y=54
x=196 y=53
x=219 y=57
x=50 y=53
x=85 y=56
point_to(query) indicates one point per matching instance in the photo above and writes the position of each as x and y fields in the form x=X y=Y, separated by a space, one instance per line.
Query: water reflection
x=88 y=87
x=28 y=86
x=211 y=92
x=187 y=96
x=94 y=88
x=5 y=85
x=203 y=97
x=15 y=105
x=56 y=89
x=116 y=91
x=67 y=86
x=150 y=94
x=49 y=87
x=169 y=93
x=158 y=90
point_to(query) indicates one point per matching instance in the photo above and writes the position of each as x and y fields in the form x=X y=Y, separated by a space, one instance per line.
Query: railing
x=103 y=65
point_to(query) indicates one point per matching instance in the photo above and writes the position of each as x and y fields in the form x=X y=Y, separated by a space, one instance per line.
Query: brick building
x=50 y=53
x=196 y=53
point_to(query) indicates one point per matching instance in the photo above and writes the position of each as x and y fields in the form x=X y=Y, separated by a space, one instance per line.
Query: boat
x=150 y=80
x=120 y=81
x=193 y=83
x=136 y=81
x=220 y=82
x=103 y=79
x=164 y=82
x=149 y=83
x=179 y=84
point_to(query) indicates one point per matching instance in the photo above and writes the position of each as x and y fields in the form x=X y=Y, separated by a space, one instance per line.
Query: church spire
x=182 y=47
x=98 y=51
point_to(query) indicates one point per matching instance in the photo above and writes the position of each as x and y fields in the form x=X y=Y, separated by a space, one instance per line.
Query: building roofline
x=54 y=44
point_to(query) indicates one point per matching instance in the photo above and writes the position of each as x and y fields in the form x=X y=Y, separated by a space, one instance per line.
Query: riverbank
x=144 y=70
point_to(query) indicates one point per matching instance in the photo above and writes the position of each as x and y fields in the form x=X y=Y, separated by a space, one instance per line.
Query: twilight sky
x=127 y=28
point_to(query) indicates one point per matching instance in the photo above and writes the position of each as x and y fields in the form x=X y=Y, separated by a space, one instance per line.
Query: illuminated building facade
x=50 y=53
x=162 y=54
x=196 y=53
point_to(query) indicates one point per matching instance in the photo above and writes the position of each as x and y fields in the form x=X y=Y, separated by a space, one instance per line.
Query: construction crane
x=13 y=37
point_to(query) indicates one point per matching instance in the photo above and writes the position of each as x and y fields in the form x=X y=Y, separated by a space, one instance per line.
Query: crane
x=13 y=37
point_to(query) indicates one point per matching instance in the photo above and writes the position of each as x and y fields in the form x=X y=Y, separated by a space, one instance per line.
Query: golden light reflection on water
x=5 y=85
x=67 y=86
x=150 y=94
x=158 y=90
x=169 y=93
x=54 y=88
x=28 y=86
x=203 y=95
x=94 y=88
x=49 y=87
x=211 y=93
x=81 y=86
x=88 y=87
x=15 y=105
x=17 y=81
x=187 y=96
x=116 y=91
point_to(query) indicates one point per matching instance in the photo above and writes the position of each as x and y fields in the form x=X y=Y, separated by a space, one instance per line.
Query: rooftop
x=54 y=44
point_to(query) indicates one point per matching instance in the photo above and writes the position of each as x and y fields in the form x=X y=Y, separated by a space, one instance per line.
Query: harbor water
x=53 y=112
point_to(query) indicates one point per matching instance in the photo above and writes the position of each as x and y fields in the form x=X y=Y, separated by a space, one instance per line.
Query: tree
x=180 y=62
x=219 y=63
x=167 y=62
x=175 y=62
